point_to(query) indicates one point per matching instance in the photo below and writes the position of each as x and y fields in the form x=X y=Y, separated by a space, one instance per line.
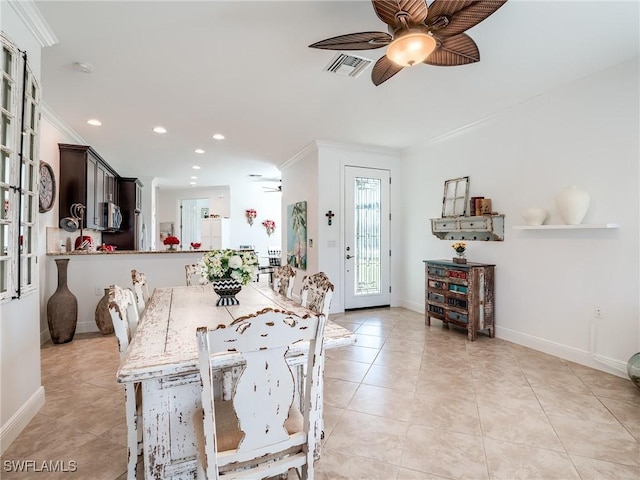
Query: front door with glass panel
x=367 y=254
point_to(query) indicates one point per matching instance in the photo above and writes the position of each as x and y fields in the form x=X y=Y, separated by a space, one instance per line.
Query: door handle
x=350 y=256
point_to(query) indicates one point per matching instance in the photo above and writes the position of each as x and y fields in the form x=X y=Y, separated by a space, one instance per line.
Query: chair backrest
x=316 y=293
x=283 y=279
x=124 y=315
x=263 y=395
x=192 y=272
x=140 y=289
x=274 y=254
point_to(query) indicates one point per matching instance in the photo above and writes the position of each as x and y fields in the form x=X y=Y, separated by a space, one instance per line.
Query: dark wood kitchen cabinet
x=130 y=201
x=86 y=178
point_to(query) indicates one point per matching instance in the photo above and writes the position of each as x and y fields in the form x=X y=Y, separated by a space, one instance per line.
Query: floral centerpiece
x=270 y=225
x=239 y=266
x=459 y=248
x=228 y=270
x=251 y=214
x=171 y=242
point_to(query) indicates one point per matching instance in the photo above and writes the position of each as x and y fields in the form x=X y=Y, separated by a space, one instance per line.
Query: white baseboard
x=582 y=357
x=81 y=327
x=86 y=327
x=10 y=430
x=413 y=306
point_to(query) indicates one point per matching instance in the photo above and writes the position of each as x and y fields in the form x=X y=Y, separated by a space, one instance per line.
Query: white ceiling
x=244 y=69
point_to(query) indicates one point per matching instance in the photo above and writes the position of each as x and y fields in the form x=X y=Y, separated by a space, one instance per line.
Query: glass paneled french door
x=367 y=253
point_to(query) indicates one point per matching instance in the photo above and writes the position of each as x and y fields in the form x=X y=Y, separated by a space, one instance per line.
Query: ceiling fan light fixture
x=411 y=48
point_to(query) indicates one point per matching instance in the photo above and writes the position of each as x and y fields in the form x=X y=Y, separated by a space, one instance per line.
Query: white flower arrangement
x=218 y=264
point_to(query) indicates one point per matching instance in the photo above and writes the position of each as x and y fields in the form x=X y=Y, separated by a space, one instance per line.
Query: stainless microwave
x=112 y=216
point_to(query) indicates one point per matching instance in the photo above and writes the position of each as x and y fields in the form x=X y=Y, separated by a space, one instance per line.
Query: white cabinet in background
x=215 y=233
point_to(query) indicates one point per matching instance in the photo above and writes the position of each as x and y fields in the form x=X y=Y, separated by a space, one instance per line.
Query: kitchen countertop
x=123 y=252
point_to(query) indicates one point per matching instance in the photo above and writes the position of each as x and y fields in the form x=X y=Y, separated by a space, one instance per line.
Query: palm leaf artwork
x=297 y=235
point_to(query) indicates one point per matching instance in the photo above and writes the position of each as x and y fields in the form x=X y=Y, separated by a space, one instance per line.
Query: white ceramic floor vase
x=572 y=204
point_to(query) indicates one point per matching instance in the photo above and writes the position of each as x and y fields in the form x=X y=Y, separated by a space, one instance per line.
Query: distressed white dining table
x=163 y=358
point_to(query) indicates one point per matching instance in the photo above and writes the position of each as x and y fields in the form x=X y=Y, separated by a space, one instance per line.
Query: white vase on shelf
x=572 y=204
x=534 y=215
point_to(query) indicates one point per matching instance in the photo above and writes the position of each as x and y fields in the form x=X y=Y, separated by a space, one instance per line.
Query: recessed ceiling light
x=194 y=178
x=199 y=150
x=159 y=129
x=192 y=183
x=94 y=122
x=218 y=136
x=196 y=167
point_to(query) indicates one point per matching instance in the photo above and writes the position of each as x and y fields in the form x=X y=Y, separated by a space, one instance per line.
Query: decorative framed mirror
x=456 y=197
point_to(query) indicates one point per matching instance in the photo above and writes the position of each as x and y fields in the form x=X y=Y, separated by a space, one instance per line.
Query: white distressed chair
x=316 y=293
x=140 y=289
x=124 y=315
x=192 y=272
x=283 y=279
x=258 y=433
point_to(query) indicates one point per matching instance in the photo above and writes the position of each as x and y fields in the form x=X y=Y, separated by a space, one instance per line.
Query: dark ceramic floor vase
x=62 y=308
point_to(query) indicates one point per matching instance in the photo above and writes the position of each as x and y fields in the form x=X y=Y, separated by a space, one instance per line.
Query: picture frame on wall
x=204 y=213
x=456 y=197
x=297 y=235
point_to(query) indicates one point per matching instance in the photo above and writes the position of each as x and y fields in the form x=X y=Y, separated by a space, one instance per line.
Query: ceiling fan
x=277 y=187
x=273 y=189
x=419 y=34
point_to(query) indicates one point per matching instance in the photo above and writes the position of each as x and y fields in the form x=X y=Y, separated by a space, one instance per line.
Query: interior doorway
x=192 y=210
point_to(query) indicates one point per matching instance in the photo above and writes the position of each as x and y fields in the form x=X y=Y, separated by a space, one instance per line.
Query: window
x=19 y=131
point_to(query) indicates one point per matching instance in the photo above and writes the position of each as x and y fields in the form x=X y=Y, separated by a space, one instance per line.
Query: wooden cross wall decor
x=329 y=216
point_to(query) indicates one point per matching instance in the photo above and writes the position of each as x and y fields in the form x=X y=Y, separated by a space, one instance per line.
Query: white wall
x=333 y=158
x=232 y=202
x=547 y=282
x=89 y=275
x=300 y=184
x=316 y=175
x=21 y=395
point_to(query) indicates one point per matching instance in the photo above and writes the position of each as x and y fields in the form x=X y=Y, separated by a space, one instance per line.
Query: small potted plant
x=171 y=242
x=460 y=248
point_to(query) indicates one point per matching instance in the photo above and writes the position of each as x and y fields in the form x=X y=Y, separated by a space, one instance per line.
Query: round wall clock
x=47 y=189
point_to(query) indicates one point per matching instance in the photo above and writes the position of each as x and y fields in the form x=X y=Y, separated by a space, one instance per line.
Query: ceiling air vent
x=347 y=65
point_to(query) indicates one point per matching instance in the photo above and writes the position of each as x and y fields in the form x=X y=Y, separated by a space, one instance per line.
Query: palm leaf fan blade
x=387 y=10
x=354 y=41
x=458 y=50
x=383 y=70
x=460 y=15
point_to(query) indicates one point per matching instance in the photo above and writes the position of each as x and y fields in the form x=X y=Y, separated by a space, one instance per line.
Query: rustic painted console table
x=163 y=358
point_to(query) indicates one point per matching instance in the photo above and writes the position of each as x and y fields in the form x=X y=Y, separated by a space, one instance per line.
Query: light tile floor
x=406 y=402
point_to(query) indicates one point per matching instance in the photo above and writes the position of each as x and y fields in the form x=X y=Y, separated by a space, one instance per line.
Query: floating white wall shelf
x=583 y=226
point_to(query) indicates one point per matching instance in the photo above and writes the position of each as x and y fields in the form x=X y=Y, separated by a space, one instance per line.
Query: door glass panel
x=4 y=240
x=5 y=167
x=4 y=275
x=6 y=94
x=367 y=235
x=5 y=129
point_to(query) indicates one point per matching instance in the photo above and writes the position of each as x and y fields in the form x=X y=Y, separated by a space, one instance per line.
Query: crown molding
x=312 y=147
x=59 y=124
x=34 y=21
x=317 y=145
